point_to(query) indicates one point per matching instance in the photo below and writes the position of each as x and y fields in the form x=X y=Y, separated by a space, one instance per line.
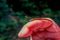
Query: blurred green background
x=15 y=13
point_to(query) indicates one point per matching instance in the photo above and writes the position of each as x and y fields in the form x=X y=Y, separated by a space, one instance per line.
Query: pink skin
x=40 y=30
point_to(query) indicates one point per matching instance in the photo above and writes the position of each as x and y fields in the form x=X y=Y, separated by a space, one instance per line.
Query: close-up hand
x=40 y=29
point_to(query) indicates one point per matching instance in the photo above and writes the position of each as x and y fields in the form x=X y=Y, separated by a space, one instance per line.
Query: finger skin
x=45 y=36
x=28 y=28
x=54 y=27
x=53 y=30
x=33 y=26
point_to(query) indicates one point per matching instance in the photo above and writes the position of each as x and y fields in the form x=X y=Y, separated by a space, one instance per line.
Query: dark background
x=15 y=13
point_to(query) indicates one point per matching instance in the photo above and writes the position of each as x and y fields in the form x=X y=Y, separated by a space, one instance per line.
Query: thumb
x=28 y=28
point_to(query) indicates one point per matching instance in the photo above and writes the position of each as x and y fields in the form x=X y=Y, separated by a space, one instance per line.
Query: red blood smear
x=48 y=30
x=45 y=35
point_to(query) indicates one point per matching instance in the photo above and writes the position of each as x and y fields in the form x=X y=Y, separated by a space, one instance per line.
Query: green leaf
x=48 y=10
x=1 y=14
x=4 y=1
x=21 y=13
x=1 y=5
x=2 y=26
x=35 y=12
x=24 y=19
x=28 y=4
x=2 y=38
